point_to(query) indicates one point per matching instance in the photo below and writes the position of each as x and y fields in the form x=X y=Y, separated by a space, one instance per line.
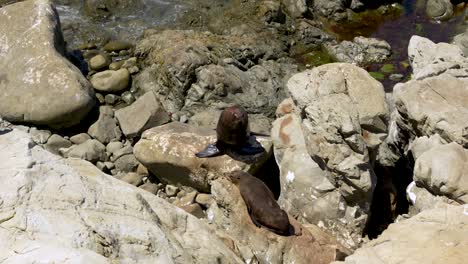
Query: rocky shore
x=99 y=134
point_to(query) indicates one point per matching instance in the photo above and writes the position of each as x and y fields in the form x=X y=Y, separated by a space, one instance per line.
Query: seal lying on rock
x=232 y=132
x=261 y=204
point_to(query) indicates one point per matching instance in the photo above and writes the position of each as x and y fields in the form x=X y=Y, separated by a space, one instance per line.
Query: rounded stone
x=99 y=62
x=111 y=81
x=117 y=45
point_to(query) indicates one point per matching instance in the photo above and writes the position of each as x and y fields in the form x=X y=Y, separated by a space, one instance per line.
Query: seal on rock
x=261 y=204
x=232 y=132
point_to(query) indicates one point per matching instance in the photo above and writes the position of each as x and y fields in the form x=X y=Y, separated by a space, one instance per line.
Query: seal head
x=261 y=204
x=232 y=132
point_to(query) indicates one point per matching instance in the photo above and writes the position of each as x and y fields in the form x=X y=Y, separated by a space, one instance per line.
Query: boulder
x=443 y=170
x=429 y=59
x=39 y=85
x=111 y=81
x=70 y=212
x=105 y=129
x=146 y=112
x=435 y=105
x=437 y=235
x=361 y=51
x=168 y=151
x=441 y=10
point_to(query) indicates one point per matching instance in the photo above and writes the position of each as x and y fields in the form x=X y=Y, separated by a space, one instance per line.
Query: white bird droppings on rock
x=290 y=176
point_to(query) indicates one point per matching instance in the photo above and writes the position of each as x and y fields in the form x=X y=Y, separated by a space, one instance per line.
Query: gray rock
x=80 y=138
x=443 y=170
x=111 y=81
x=150 y=187
x=429 y=59
x=105 y=129
x=461 y=40
x=126 y=163
x=87 y=216
x=117 y=153
x=99 y=62
x=421 y=199
x=144 y=113
x=5 y=126
x=133 y=179
x=39 y=85
x=438 y=235
x=128 y=97
x=360 y=51
x=194 y=209
x=39 y=136
x=204 y=199
x=439 y=9
x=169 y=152
x=56 y=142
x=129 y=63
x=90 y=150
x=186 y=199
x=171 y=190
x=111 y=98
x=113 y=147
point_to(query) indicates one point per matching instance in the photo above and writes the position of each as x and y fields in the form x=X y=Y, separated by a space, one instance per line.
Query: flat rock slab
x=67 y=211
x=169 y=152
x=37 y=83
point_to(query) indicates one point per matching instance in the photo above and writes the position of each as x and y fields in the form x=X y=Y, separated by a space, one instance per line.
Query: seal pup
x=232 y=132
x=261 y=204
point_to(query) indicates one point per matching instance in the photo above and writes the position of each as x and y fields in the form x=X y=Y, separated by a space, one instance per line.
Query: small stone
x=187 y=199
x=117 y=45
x=126 y=163
x=181 y=194
x=131 y=62
x=387 y=68
x=396 y=77
x=150 y=187
x=99 y=62
x=142 y=170
x=171 y=190
x=100 y=98
x=133 y=179
x=204 y=199
x=124 y=53
x=116 y=65
x=91 y=150
x=128 y=97
x=100 y=165
x=111 y=99
x=114 y=146
x=105 y=129
x=111 y=81
x=109 y=165
x=183 y=119
x=133 y=70
x=126 y=150
x=39 y=136
x=194 y=209
x=80 y=138
x=56 y=142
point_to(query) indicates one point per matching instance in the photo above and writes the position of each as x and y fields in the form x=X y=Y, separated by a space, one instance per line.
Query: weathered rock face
x=322 y=147
x=68 y=209
x=443 y=170
x=169 y=152
x=37 y=83
x=429 y=59
x=433 y=236
x=461 y=40
x=187 y=67
x=360 y=51
x=258 y=245
x=433 y=105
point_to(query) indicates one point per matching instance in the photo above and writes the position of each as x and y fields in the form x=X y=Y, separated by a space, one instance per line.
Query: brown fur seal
x=232 y=131
x=261 y=204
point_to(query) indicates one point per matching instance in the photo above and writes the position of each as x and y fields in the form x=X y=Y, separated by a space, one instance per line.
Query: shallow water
x=396 y=28
x=78 y=28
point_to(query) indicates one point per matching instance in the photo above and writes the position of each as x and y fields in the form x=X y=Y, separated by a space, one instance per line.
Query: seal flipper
x=211 y=150
x=256 y=223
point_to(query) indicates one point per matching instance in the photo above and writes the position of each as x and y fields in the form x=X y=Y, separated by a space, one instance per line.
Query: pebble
x=194 y=209
x=100 y=98
x=396 y=77
x=57 y=142
x=204 y=199
x=128 y=97
x=116 y=65
x=39 y=136
x=111 y=81
x=114 y=146
x=99 y=62
x=171 y=190
x=150 y=187
x=111 y=99
x=117 y=45
x=80 y=138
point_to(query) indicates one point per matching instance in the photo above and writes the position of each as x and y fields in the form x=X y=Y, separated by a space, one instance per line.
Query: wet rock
x=443 y=171
x=322 y=147
x=360 y=51
x=126 y=163
x=90 y=150
x=39 y=85
x=133 y=179
x=99 y=62
x=169 y=152
x=150 y=187
x=429 y=59
x=432 y=236
x=439 y=9
x=79 y=138
x=39 y=136
x=56 y=142
x=230 y=217
x=105 y=129
x=194 y=209
x=111 y=81
x=144 y=113
x=433 y=105
x=171 y=190
x=117 y=222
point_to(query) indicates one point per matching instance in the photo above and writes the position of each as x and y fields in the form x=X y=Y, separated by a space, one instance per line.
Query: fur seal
x=232 y=132
x=261 y=204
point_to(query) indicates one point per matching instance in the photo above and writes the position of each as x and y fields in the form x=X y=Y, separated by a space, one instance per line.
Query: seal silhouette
x=232 y=132
x=261 y=204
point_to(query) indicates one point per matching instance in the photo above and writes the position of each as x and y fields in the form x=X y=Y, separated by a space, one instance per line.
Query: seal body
x=261 y=204
x=232 y=131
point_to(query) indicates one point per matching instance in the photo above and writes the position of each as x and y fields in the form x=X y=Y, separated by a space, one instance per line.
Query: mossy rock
x=377 y=75
x=387 y=68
